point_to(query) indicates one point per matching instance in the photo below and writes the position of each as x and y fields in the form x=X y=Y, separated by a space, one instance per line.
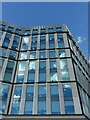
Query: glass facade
x=42 y=72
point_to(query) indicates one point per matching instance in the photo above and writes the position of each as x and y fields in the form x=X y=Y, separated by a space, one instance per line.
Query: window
x=42 y=71
x=53 y=71
x=51 y=41
x=22 y=66
x=3 y=52
x=23 y=55
x=43 y=42
x=2 y=27
x=25 y=43
x=42 y=54
x=65 y=75
x=27 y=32
x=55 y=106
x=10 y=29
x=20 y=77
x=16 y=100
x=6 y=41
x=50 y=30
x=9 y=71
x=60 y=41
x=15 y=43
x=32 y=55
x=12 y=55
x=58 y=29
x=43 y=30
x=18 y=31
x=1 y=35
x=63 y=64
x=41 y=99
x=62 y=53
x=1 y=64
x=29 y=100
x=68 y=99
x=3 y=97
x=35 y=31
x=31 y=71
x=34 y=43
x=52 y=54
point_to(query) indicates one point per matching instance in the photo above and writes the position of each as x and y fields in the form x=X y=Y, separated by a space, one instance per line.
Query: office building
x=44 y=74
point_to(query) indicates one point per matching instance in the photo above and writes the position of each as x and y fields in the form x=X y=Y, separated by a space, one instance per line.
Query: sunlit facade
x=44 y=74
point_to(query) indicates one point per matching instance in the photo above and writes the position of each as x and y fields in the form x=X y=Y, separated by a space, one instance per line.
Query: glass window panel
x=26 y=40
x=68 y=99
x=2 y=27
x=65 y=75
x=1 y=33
x=30 y=93
x=1 y=64
x=53 y=71
x=52 y=54
x=41 y=99
x=15 y=107
x=5 y=43
x=32 y=55
x=27 y=32
x=51 y=41
x=50 y=30
x=29 y=100
x=9 y=71
x=20 y=77
x=62 y=53
x=17 y=92
x=10 y=29
x=63 y=64
x=34 y=31
x=28 y=107
x=43 y=30
x=18 y=31
x=3 y=95
x=3 y=52
x=22 y=66
x=15 y=43
x=58 y=29
x=12 y=55
x=8 y=36
x=43 y=42
x=31 y=71
x=55 y=109
x=23 y=55
x=34 y=43
x=42 y=55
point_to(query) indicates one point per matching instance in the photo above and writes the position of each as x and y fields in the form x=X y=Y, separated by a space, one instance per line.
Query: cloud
x=80 y=39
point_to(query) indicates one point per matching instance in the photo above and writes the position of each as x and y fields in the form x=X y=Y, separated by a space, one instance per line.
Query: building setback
x=44 y=74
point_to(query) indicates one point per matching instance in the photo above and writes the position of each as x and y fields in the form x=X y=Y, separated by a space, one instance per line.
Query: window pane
x=52 y=54
x=3 y=97
x=51 y=41
x=32 y=55
x=29 y=100
x=23 y=55
x=55 y=109
x=20 y=77
x=63 y=64
x=43 y=42
x=12 y=55
x=3 y=52
x=42 y=55
x=22 y=66
x=25 y=43
x=68 y=99
x=42 y=99
x=15 y=43
x=16 y=100
x=62 y=53
x=42 y=71
x=34 y=43
x=31 y=71
x=53 y=71
x=60 y=41
x=65 y=75
x=9 y=71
